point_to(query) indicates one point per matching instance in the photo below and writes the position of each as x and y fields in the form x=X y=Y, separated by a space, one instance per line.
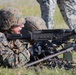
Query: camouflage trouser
x=47 y=11
x=67 y=8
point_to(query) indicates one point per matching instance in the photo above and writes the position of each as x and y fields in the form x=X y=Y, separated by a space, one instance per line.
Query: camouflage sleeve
x=8 y=57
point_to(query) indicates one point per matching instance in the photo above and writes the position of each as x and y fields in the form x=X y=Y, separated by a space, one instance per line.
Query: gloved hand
x=35 y=49
x=39 y=47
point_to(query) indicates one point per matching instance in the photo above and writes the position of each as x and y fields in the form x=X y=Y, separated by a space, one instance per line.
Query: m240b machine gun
x=48 y=43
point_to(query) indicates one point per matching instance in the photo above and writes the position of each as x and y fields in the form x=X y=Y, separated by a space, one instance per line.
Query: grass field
x=31 y=7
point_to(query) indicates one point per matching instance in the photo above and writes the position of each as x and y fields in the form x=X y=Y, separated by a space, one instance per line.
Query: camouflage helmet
x=33 y=23
x=9 y=17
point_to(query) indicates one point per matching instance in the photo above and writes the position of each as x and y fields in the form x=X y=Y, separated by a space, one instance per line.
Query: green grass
x=36 y=71
x=29 y=8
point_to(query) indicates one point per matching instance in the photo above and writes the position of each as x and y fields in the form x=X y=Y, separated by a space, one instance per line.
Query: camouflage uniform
x=67 y=8
x=47 y=11
x=13 y=53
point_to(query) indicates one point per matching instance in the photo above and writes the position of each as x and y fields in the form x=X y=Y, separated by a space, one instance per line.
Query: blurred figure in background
x=68 y=11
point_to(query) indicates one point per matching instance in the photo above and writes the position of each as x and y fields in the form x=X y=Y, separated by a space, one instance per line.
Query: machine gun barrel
x=18 y=36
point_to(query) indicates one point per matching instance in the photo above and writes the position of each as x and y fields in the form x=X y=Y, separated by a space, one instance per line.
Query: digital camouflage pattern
x=10 y=16
x=12 y=56
x=47 y=11
x=13 y=53
x=33 y=23
x=67 y=9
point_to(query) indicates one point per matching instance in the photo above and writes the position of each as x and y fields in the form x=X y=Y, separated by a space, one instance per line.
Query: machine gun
x=47 y=43
x=42 y=34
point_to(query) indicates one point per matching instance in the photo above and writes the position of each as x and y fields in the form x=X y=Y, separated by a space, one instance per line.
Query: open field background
x=31 y=7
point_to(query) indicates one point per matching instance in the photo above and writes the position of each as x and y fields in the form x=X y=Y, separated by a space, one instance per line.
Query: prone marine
x=14 y=53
